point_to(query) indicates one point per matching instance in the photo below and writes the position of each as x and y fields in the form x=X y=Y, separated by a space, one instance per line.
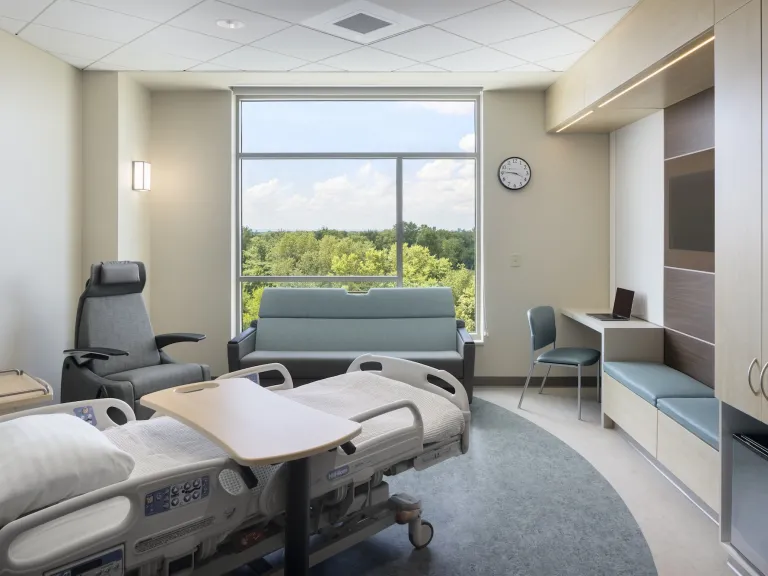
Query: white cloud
x=442 y=195
x=467 y=143
x=450 y=108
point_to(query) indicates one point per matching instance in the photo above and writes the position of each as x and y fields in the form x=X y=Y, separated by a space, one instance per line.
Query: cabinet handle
x=762 y=382
x=749 y=377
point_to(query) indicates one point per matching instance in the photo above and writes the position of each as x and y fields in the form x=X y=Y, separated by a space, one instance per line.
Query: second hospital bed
x=216 y=515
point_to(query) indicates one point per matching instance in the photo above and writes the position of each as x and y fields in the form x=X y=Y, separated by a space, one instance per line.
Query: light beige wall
x=653 y=30
x=100 y=146
x=40 y=207
x=559 y=224
x=191 y=222
x=638 y=207
x=133 y=213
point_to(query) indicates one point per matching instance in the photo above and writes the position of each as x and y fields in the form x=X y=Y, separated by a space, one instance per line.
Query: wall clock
x=514 y=173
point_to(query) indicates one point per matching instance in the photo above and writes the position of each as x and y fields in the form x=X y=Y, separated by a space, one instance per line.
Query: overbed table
x=258 y=427
x=19 y=391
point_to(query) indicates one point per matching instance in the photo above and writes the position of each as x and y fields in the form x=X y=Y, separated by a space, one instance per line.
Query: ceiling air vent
x=362 y=23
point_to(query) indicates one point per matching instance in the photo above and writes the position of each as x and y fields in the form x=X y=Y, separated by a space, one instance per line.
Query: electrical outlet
x=514 y=261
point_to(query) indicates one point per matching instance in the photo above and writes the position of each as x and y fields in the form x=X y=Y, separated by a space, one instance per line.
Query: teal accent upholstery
x=338 y=303
x=700 y=416
x=541 y=321
x=652 y=381
x=379 y=334
x=324 y=364
x=570 y=356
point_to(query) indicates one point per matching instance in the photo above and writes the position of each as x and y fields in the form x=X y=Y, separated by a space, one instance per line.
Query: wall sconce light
x=142 y=173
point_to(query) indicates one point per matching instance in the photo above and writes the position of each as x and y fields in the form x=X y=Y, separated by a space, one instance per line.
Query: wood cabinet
x=741 y=257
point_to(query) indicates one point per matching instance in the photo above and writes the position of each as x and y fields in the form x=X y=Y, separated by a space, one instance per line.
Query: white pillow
x=47 y=458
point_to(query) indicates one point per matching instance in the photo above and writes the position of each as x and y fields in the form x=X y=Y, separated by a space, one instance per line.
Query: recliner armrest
x=465 y=346
x=242 y=344
x=85 y=355
x=463 y=337
x=163 y=340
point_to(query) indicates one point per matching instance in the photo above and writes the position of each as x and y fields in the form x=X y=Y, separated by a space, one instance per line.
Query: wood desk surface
x=582 y=317
x=254 y=425
x=21 y=390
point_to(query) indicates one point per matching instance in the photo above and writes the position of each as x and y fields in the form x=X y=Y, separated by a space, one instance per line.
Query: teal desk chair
x=541 y=321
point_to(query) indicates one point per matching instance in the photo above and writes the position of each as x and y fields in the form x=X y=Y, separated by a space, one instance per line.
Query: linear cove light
x=579 y=119
x=659 y=71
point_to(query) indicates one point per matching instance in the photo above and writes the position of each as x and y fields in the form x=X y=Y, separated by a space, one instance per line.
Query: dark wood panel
x=689 y=126
x=690 y=356
x=689 y=211
x=689 y=302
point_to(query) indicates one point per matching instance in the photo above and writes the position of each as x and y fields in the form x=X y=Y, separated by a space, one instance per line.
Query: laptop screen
x=622 y=305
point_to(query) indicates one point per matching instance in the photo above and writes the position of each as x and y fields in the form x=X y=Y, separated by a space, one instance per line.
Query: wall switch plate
x=514 y=261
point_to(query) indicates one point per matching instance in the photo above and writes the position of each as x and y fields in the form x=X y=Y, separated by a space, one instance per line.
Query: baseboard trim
x=556 y=381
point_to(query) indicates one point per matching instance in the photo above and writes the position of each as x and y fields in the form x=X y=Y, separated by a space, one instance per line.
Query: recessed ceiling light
x=231 y=24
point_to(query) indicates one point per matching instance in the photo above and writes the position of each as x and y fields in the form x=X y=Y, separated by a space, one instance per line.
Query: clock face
x=514 y=173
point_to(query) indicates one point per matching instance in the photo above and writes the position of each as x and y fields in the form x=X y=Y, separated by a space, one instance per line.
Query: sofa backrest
x=331 y=319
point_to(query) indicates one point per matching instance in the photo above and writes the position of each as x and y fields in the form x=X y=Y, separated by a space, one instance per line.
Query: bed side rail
x=286 y=385
x=102 y=410
x=416 y=428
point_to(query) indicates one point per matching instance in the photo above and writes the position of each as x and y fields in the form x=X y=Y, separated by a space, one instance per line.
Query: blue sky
x=357 y=194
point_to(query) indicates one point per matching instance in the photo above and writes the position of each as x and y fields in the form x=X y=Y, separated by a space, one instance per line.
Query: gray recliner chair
x=116 y=354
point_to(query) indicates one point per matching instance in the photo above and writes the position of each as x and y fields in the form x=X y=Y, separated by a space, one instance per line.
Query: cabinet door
x=764 y=380
x=738 y=207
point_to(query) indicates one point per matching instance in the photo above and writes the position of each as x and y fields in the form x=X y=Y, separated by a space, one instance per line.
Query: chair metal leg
x=579 y=391
x=527 y=381
x=545 y=379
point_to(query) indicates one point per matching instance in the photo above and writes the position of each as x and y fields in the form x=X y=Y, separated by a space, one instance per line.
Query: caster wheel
x=427 y=533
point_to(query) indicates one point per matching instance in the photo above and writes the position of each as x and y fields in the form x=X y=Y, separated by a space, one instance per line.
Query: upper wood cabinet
x=739 y=222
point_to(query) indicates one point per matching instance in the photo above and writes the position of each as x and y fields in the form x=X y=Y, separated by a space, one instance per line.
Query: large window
x=358 y=193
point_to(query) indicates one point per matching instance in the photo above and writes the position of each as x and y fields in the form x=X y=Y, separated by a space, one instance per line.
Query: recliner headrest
x=119 y=273
x=115 y=279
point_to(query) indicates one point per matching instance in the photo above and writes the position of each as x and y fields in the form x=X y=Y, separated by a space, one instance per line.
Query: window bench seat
x=672 y=416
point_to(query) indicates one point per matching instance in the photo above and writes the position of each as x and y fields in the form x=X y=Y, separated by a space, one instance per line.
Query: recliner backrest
x=111 y=314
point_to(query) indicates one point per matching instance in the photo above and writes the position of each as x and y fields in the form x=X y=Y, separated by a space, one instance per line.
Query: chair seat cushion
x=652 y=381
x=700 y=416
x=570 y=356
x=315 y=365
x=153 y=378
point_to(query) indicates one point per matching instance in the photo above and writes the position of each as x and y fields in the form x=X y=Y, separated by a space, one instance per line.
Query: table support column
x=297 y=518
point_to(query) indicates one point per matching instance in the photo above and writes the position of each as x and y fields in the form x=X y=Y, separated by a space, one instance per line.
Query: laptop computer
x=622 y=306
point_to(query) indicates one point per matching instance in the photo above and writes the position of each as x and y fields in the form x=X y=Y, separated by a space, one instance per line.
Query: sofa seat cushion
x=153 y=378
x=324 y=364
x=570 y=356
x=700 y=416
x=652 y=381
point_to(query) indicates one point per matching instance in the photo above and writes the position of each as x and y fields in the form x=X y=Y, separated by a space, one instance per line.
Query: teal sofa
x=317 y=332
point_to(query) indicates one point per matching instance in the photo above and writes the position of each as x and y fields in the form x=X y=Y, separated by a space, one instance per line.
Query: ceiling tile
x=250 y=58
x=92 y=21
x=377 y=22
x=135 y=57
x=203 y=18
x=69 y=43
x=565 y=11
x=598 y=26
x=425 y=44
x=480 y=60
x=306 y=44
x=547 y=44
x=183 y=43
x=431 y=12
x=421 y=68
x=22 y=9
x=496 y=23
x=76 y=62
x=528 y=68
x=209 y=67
x=561 y=63
x=291 y=10
x=103 y=66
x=368 y=60
x=155 y=10
x=11 y=25
x=315 y=67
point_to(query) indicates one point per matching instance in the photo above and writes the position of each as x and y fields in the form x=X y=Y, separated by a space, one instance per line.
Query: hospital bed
x=189 y=507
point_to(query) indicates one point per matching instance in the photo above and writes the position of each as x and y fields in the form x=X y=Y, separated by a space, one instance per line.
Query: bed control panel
x=177 y=495
x=86 y=414
x=107 y=563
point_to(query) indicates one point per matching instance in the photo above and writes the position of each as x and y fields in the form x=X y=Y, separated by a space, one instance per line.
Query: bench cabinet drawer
x=694 y=462
x=637 y=417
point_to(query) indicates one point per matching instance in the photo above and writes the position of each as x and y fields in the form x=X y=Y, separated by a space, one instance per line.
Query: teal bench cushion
x=700 y=416
x=652 y=381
